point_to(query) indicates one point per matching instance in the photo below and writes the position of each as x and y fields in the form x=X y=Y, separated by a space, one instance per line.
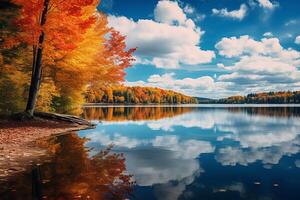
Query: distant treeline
x=259 y=98
x=137 y=95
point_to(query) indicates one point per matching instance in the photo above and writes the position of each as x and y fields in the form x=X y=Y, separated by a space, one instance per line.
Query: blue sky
x=211 y=48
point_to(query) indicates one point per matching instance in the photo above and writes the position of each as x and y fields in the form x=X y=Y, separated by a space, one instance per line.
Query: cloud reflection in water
x=164 y=152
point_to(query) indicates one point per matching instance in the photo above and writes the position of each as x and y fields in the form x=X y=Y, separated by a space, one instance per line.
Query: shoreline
x=17 y=152
x=89 y=105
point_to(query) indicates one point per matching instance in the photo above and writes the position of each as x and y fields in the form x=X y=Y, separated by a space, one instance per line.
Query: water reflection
x=209 y=153
x=172 y=153
x=72 y=174
x=135 y=113
x=132 y=113
x=269 y=111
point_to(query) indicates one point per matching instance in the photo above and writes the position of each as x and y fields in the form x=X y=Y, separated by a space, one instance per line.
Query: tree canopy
x=78 y=51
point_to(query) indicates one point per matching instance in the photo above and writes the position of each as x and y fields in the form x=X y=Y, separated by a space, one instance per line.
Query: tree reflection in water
x=72 y=174
x=268 y=111
x=133 y=113
x=159 y=112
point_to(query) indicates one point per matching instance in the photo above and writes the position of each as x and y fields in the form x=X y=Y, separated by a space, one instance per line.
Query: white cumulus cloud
x=169 y=12
x=235 y=14
x=267 y=4
x=200 y=86
x=254 y=66
x=297 y=40
x=245 y=45
x=268 y=34
x=259 y=65
x=170 y=41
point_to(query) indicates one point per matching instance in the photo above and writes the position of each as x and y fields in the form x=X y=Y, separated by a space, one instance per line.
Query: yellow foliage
x=74 y=60
x=47 y=91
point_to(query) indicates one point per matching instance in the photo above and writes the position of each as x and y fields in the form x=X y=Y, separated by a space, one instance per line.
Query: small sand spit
x=16 y=151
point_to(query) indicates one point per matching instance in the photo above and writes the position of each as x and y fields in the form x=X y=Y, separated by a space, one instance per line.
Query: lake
x=173 y=152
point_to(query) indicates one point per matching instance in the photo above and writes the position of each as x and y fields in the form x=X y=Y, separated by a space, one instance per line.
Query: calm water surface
x=204 y=153
x=170 y=153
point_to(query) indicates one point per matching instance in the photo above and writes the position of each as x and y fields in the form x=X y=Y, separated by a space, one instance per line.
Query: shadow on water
x=71 y=173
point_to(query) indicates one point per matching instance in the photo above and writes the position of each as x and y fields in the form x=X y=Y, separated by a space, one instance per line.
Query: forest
x=41 y=56
x=137 y=95
x=281 y=97
x=53 y=65
x=48 y=64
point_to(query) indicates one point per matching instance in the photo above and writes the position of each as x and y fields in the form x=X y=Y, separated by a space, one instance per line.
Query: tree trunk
x=37 y=65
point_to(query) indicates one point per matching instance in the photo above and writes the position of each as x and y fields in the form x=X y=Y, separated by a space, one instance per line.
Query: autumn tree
x=114 y=59
x=98 y=60
x=51 y=25
x=13 y=69
x=81 y=45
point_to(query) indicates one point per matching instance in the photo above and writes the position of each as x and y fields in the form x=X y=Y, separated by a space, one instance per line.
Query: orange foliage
x=74 y=174
x=64 y=18
x=80 y=51
x=69 y=172
x=115 y=53
x=137 y=95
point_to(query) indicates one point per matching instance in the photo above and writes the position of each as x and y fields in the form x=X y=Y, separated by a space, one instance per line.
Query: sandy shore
x=16 y=151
